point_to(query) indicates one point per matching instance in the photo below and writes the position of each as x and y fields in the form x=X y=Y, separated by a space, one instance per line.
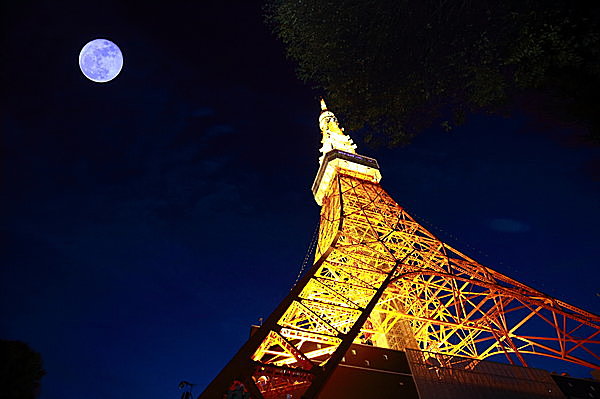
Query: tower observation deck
x=390 y=310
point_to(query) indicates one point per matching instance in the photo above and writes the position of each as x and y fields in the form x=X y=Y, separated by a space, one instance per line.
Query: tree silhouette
x=396 y=66
x=20 y=370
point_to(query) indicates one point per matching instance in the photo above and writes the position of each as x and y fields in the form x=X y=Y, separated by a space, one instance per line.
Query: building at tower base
x=371 y=372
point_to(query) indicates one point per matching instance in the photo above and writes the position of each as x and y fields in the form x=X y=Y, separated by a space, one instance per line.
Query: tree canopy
x=20 y=370
x=396 y=66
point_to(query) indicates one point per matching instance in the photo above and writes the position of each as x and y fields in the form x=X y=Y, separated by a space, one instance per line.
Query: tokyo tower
x=381 y=281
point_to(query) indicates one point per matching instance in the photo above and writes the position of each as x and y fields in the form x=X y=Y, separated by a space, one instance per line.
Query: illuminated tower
x=380 y=279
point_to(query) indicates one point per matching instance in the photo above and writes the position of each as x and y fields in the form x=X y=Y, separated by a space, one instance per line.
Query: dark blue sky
x=147 y=222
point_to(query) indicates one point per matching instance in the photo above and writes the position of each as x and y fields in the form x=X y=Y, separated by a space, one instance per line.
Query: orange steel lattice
x=380 y=278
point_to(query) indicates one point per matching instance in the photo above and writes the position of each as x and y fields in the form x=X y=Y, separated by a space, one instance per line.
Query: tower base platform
x=368 y=372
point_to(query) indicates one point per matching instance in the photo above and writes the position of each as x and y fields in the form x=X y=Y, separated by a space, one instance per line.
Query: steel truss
x=380 y=278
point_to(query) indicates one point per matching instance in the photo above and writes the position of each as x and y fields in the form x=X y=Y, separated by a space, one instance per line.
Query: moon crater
x=100 y=60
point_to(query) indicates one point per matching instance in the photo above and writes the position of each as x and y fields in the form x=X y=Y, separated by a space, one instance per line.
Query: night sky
x=149 y=221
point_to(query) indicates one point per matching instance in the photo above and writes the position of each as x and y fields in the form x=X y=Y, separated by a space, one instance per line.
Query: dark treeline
x=21 y=370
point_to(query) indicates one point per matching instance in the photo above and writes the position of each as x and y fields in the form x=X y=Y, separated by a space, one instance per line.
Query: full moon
x=100 y=60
